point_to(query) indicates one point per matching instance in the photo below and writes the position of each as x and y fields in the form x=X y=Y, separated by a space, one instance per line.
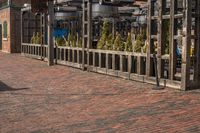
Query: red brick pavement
x=35 y=98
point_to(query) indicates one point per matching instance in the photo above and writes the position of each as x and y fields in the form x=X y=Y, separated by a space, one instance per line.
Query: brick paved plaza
x=35 y=98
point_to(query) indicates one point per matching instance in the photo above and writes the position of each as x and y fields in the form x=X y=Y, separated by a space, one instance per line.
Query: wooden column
x=149 y=46
x=84 y=36
x=185 y=72
x=22 y=31
x=172 y=47
x=87 y=30
x=50 y=33
x=160 y=41
x=197 y=44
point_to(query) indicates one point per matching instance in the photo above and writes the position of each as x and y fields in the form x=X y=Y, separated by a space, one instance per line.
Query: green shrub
x=36 y=38
x=166 y=34
x=104 y=36
x=128 y=44
x=33 y=38
x=118 y=43
x=72 y=39
x=139 y=43
x=109 y=42
x=80 y=42
x=60 y=41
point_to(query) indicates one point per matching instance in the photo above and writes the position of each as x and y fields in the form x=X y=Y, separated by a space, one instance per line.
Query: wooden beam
x=197 y=44
x=160 y=37
x=149 y=45
x=89 y=30
x=172 y=47
x=185 y=72
x=50 y=33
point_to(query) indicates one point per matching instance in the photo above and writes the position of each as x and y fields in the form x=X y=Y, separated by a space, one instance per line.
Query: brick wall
x=13 y=17
x=5 y=16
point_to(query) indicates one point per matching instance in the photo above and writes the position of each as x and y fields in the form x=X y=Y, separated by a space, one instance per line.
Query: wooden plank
x=160 y=41
x=197 y=45
x=107 y=61
x=78 y=56
x=84 y=27
x=113 y=62
x=121 y=63
x=100 y=60
x=185 y=77
x=129 y=65
x=89 y=29
x=50 y=33
x=73 y=56
x=149 y=46
x=94 y=59
x=65 y=58
x=69 y=55
x=139 y=65
x=172 y=47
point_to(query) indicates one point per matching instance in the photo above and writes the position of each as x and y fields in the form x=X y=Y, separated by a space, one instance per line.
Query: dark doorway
x=0 y=37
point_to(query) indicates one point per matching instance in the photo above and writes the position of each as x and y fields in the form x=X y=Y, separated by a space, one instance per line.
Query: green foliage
x=139 y=43
x=118 y=43
x=144 y=48
x=104 y=36
x=80 y=42
x=166 y=35
x=33 y=38
x=60 y=41
x=72 y=39
x=109 y=42
x=128 y=44
x=36 y=38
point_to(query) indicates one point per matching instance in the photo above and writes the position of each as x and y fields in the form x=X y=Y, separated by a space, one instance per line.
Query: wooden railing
x=68 y=56
x=117 y=63
x=36 y=51
x=126 y=65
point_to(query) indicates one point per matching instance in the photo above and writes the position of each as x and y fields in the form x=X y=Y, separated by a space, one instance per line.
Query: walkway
x=35 y=98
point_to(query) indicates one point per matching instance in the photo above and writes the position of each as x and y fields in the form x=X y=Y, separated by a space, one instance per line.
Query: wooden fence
x=126 y=65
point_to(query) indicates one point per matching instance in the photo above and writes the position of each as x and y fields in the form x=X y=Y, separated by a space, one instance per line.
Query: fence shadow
x=4 y=87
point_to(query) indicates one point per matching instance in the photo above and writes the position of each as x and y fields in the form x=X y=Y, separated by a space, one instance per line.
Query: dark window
x=5 y=29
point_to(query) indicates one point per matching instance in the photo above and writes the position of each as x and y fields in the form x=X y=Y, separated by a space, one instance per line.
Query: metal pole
x=156 y=70
x=50 y=33
x=158 y=87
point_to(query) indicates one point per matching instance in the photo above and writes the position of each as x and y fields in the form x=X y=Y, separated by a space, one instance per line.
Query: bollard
x=158 y=87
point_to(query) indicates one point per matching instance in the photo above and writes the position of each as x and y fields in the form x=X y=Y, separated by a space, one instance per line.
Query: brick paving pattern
x=35 y=98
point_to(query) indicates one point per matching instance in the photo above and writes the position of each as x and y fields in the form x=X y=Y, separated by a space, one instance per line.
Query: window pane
x=5 y=28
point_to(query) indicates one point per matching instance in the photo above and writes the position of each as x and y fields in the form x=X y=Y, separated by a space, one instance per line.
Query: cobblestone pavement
x=35 y=98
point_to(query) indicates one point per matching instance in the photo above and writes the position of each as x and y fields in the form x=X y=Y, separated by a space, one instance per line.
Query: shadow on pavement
x=4 y=87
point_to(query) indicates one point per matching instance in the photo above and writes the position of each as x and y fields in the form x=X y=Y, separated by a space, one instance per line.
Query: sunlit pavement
x=35 y=98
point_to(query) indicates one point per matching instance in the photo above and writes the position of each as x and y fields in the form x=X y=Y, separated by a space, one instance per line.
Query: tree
x=104 y=34
x=128 y=44
x=109 y=42
x=118 y=44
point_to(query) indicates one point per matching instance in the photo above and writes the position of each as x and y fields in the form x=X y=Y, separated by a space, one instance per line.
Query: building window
x=5 y=29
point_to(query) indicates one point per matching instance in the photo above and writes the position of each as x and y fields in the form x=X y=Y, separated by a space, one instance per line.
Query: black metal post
x=158 y=87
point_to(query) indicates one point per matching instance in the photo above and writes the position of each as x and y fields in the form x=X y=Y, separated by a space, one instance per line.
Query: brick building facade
x=10 y=25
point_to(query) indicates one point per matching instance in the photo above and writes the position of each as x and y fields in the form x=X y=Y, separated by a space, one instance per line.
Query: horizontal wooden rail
x=36 y=51
x=128 y=65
